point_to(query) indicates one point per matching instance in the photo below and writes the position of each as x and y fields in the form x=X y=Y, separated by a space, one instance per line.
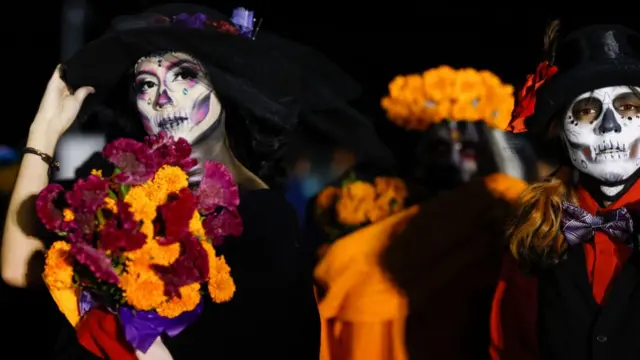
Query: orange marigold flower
x=110 y=204
x=141 y=207
x=58 y=267
x=167 y=180
x=195 y=226
x=416 y=102
x=391 y=187
x=221 y=285
x=143 y=289
x=154 y=253
x=327 y=197
x=356 y=200
x=68 y=215
x=379 y=210
x=187 y=301
x=147 y=229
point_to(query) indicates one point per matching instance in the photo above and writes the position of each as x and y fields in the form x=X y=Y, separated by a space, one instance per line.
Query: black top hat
x=588 y=58
x=274 y=78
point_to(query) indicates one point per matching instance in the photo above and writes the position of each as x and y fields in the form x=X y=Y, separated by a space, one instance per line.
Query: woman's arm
x=58 y=109
x=20 y=244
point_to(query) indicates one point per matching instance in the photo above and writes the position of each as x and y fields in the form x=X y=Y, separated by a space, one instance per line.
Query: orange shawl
x=362 y=313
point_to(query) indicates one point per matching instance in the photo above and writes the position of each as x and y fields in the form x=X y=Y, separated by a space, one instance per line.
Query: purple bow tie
x=579 y=226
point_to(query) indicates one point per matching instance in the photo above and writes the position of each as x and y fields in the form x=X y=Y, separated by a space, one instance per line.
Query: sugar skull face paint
x=174 y=95
x=602 y=133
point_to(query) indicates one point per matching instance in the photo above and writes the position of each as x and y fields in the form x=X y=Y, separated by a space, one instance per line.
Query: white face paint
x=173 y=95
x=602 y=133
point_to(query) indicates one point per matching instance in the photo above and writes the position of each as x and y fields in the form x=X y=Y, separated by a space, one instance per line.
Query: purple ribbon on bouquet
x=579 y=226
x=142 y=328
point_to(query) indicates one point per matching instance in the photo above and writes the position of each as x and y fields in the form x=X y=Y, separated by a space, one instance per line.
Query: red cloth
x=514 y=314
x=605 y=256
x=99 y=331
x=514 y=309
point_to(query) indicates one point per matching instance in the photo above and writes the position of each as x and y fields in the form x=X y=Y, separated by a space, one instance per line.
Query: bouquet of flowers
x=357 y=203
x=140 y=243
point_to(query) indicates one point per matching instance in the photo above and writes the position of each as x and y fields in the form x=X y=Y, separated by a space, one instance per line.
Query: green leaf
x=100 y=216
x=112 y=194
x=124 y=190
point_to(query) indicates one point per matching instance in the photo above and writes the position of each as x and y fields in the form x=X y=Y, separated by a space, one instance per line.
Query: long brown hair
x=535 y=235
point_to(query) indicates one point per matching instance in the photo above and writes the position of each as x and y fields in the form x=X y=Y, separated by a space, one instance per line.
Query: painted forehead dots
x=158 y=58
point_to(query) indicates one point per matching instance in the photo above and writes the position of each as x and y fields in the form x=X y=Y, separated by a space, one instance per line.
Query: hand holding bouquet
x=139 y=244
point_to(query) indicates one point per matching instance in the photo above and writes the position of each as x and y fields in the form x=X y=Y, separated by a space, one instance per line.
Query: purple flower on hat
x=243 y=19
x=195 y=21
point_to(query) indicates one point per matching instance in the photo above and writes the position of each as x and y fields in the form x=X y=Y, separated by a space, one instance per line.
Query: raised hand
x=59 y=107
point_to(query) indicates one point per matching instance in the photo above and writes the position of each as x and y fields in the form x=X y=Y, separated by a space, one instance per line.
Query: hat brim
x=563 y=88
x=103 y=62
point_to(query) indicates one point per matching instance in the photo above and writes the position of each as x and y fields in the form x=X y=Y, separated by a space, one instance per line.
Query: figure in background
x=574 y=241
x=417 y=283
x=238 y=96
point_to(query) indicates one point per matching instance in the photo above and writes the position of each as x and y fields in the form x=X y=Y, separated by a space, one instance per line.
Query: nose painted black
x=609 y=123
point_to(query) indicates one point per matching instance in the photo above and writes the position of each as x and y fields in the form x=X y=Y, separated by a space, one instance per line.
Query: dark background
x=373 y=42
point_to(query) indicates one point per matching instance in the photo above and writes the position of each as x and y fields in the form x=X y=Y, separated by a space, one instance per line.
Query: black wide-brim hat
x=588 y=58
x=271 y=76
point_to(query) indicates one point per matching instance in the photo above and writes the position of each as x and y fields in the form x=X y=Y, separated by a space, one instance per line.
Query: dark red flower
x=88 y=195
x=190 y=267
x=121 y=232
x=175 y=215
x=172 y=152
x=526 y=100
x=134 y=160
x=225 y=223
x=161 y=20
x=50 y=215
x=226 y=27
x=217 y=189
x=95 y=260
x=84 y=222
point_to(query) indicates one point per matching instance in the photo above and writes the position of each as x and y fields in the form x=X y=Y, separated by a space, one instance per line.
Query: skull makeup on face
x=174 y=95
x=602 y=133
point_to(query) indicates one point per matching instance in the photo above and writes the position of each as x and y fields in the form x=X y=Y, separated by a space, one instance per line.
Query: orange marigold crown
x=418 y=100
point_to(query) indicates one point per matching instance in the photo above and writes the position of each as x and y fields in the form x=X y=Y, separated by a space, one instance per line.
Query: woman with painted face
x=236 y=95
x=577 y=234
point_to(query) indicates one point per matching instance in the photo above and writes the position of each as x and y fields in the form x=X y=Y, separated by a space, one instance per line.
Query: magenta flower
x=95 y=260
x=225 y=223
x=121 y=232
x=49 y=214
x=172 y=152
x=217 y=189
x=88 y=195
x=133 y=159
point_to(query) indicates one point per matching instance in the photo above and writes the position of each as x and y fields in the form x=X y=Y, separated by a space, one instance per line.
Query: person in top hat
x=576 y=234
x=237 y=94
